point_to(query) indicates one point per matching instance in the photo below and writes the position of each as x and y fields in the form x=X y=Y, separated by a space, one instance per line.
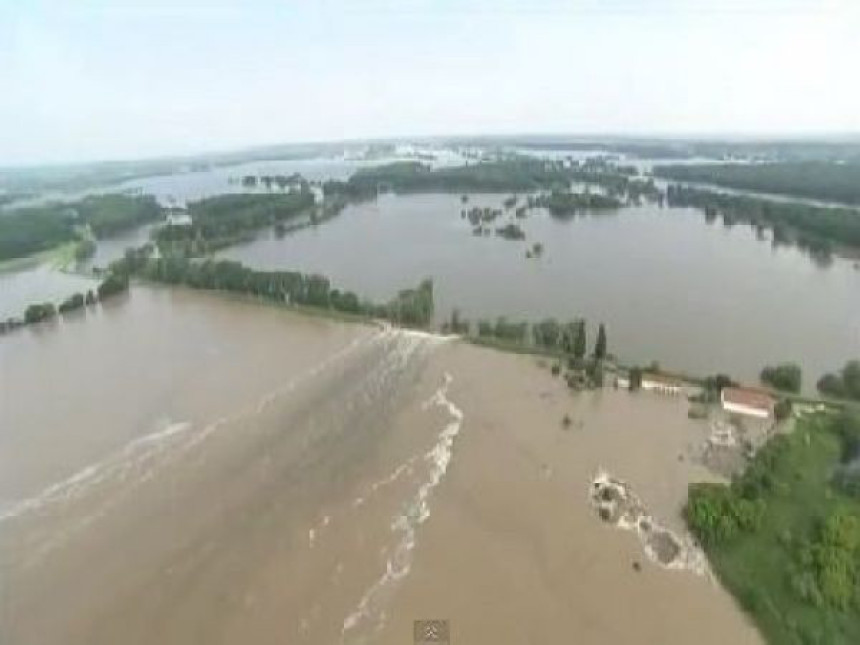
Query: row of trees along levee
x=113 y=284
x=817 y=229
x=565 y=341
x=410 y=307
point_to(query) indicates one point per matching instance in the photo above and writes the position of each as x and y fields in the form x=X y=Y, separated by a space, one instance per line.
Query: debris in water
x=616 y=504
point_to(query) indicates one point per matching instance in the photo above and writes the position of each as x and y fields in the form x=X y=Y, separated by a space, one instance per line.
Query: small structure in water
x=617 y=505
x=650 y=382
x=662 y=384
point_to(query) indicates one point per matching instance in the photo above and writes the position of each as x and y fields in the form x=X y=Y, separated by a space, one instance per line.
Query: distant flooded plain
x=694 y=296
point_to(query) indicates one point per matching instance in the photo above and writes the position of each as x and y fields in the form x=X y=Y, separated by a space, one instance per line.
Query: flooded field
x=653 y=275
x=221 y=472
x=21 y=288
x=670 y=287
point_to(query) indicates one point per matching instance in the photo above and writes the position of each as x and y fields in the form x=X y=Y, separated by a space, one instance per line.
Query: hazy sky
x=93 y=79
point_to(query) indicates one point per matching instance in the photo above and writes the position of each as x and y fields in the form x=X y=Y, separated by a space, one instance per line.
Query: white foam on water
x=723 y=435
x=399 y=562
x=118 y=464
x=403 y=469
x=631 y=515
x=345 y=351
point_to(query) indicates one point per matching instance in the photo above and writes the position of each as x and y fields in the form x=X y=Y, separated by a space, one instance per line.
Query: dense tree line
x=844 y=384
x=521 y=174
x=562 y=338
x=411 y=307
x=24 y=231
x=282 y=182
x=110 y=214
x=814 y=227
x=786 y=377
x=225 y=219
x=822 y=180
x=565 y=340
x=618 y=181
x=566 y=337
x=512 y=173
x=517 y=173
x=563 y=203
x=354 y=191
x=785 y=535
x=30 y=230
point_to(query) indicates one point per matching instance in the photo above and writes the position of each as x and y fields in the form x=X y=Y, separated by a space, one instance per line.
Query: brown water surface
x=182 y=468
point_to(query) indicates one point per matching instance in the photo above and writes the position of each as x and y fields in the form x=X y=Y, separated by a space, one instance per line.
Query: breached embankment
x=371 y=607
x=295 y=480
x=515 y=550
x=239 y=521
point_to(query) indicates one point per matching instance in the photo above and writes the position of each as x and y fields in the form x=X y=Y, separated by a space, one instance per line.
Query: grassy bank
x=785 y=539
x=58 y=257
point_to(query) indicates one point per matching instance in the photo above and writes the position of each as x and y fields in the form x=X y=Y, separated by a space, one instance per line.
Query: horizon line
x=736 y=137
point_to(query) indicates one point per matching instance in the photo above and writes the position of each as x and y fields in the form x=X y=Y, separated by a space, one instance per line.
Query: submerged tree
x=580 y=341
x=600 y=345
x=39 y=312
x=635 y=378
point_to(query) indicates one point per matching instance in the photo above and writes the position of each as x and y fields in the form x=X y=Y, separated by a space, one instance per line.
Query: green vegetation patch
x=787 y=377
x=521 y=175
x=219 y=221
x=31 y=230
x=110 y=214
x=784 y=537
x=410 y=307
x=517 y=173
x=562 y=203
x=844 y=384
x=25 y=231
x=812 y=179
x=815 y=227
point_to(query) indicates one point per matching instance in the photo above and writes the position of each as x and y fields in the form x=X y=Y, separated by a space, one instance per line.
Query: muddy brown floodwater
x=183 y=468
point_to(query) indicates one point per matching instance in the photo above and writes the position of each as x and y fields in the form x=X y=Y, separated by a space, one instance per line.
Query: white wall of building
x=659 y=386
x=738 y=408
